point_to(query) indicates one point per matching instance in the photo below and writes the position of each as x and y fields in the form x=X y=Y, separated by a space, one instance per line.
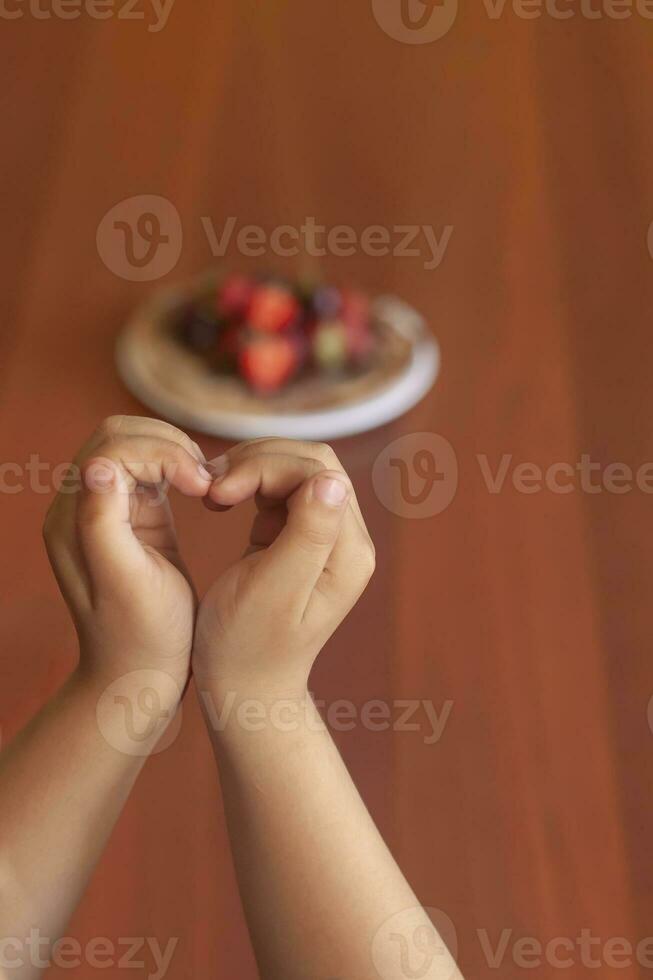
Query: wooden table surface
x=531 y=816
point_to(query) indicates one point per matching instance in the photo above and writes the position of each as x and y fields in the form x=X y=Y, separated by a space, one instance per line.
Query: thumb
x=294 y=562
x=103 y=520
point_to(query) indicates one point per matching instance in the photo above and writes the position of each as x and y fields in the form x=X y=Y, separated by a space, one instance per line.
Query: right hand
x=263 y=622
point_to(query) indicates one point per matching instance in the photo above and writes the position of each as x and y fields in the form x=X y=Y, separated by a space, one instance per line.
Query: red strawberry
x=355 y=308
x=356 y=317
x=272 y=308
x=234 y=296
x=268 y=362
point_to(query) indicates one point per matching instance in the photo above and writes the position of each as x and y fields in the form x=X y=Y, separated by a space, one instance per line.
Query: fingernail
x=218 y=467
x=330 y=491
x=204 y=473
x=199 y=455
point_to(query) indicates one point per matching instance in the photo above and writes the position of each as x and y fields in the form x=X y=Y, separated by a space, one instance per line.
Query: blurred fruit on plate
x=268 y=331
x=244 y=356
x=267 y=363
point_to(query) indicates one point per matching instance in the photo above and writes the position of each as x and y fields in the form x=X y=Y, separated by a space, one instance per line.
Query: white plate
x=388 y=403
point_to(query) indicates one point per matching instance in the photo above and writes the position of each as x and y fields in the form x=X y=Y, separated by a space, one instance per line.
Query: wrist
x=135 y=712
x=237 y=706
x=102 y=664
x=239 y=686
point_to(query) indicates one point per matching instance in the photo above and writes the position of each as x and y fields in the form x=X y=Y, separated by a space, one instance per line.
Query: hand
x=111 y=540
x=263 y=622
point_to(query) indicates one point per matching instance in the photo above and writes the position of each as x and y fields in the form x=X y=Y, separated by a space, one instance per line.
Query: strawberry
x=234 y=296
x=272 y=308
x=355 y=308
x=267 y=362
x=355 y=314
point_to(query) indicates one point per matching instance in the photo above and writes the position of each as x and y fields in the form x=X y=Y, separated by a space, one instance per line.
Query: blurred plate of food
x=243 y=356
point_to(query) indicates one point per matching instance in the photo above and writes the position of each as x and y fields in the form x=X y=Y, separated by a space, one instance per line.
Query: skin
x=322 y=895
x=63 y=782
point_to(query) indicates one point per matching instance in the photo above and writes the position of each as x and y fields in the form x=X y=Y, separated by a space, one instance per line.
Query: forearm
x=63 y=783
x=317 y=881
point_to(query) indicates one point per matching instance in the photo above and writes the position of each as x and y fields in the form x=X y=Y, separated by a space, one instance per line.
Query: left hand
x=114 y=550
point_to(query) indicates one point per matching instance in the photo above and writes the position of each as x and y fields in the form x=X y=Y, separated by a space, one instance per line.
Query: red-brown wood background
x=531 y=612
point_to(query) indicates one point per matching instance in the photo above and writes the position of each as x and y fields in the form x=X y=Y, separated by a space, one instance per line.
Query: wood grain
x=529 y=611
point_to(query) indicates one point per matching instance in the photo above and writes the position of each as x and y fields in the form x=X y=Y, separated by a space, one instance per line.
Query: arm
x=62 y=787
x=64 y=780
x=321 y=892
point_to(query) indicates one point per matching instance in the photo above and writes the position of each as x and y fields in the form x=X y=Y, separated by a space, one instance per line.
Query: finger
x=151 y=461
x=115 y=527
x=113 y=429
x=291 y=447
x=103 y=519
x=115 y=519
x=211 y=504
x=120 y=426
x=66 y=560
x=151 y=518
x=271 y=479
x=295 y=561
x=153 y=523
x=265 y=476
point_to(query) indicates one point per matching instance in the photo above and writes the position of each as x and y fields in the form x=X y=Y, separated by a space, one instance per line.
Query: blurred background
x=526 y=609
